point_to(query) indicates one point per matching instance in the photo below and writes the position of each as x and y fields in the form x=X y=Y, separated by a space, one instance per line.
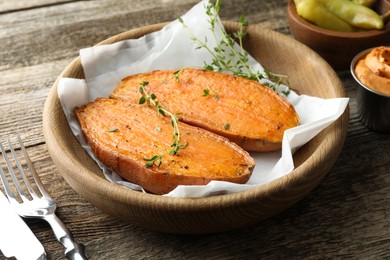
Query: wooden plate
x=308 y=73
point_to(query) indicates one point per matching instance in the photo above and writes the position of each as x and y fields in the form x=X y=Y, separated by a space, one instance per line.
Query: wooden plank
x=19 y=5
x=23 y=93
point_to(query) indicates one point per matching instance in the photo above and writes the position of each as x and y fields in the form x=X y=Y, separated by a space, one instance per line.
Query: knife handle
x=73 y=250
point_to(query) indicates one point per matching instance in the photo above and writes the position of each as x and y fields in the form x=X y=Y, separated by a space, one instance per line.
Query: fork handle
x=73 y=250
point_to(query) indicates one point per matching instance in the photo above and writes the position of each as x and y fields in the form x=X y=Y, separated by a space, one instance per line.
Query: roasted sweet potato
x=246 y=112
x=122 y=134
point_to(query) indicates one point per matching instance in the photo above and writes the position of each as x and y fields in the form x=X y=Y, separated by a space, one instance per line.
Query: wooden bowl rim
x=292 y=13
x=100 y=185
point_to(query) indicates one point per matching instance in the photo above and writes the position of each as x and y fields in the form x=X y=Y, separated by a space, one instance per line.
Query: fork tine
x=5 y=182
x=21 y=171
x=32 y=170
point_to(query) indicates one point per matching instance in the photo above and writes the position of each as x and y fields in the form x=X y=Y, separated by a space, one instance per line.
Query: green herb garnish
x=151 y=99
x=225 y=56
x=176 y=74
x=208 y=92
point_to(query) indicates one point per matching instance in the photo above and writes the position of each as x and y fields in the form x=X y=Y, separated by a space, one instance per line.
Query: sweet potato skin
x=242 y=110
x=121 y=134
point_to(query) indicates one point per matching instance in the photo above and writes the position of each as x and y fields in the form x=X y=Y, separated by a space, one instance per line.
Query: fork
x=41 y=205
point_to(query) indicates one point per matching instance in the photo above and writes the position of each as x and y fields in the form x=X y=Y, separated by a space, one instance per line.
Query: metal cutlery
x=16 y=238
x=36 y=202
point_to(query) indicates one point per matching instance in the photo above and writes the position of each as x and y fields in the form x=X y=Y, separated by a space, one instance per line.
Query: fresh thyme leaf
x=175 y=146
x=149 y=164
x=113 y=130
x=176 y=74
x=286 y=92
x=153 y=160
x=144 y=84
x=208 y=67
x=160 y=110
x=226 y=126
x=208 y=92
x=142 y=100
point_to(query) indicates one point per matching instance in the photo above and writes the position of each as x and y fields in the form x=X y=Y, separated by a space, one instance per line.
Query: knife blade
x=16 y=238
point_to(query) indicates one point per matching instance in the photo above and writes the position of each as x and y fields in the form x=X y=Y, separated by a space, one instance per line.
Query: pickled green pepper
x=318 y=14
x=354 y=14
x=339 y=15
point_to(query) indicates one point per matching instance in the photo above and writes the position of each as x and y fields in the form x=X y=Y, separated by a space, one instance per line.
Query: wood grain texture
x=7 y=6
x=346 y=216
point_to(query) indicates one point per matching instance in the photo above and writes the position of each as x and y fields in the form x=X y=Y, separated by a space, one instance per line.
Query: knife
x=16 y=238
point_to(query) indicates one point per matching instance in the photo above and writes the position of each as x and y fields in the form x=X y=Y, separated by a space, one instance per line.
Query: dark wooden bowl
x=337 y=48
x=309 y=74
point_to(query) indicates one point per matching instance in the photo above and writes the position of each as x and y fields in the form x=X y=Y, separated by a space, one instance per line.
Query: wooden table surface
x=346 y=216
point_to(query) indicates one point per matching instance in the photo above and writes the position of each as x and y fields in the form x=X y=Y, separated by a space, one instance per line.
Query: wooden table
x=347 y=215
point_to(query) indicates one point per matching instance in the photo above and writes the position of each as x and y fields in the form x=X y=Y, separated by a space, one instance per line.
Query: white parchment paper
x=172 y=48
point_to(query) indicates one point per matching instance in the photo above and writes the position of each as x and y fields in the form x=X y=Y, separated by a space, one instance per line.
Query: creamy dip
x=374 y=70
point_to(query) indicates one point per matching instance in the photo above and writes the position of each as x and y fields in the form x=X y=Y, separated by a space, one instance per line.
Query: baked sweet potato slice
x=122 y=134
x=246 y=112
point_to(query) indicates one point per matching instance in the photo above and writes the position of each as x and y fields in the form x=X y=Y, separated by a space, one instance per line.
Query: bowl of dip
x=371 y=70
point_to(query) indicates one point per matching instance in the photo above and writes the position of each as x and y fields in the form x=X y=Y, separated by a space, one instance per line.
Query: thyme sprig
x=176 y=74
x=225 y=56
x=151 y=99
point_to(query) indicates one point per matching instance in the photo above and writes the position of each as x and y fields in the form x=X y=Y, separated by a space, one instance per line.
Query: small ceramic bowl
x=373 y=106
x=337 y=48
